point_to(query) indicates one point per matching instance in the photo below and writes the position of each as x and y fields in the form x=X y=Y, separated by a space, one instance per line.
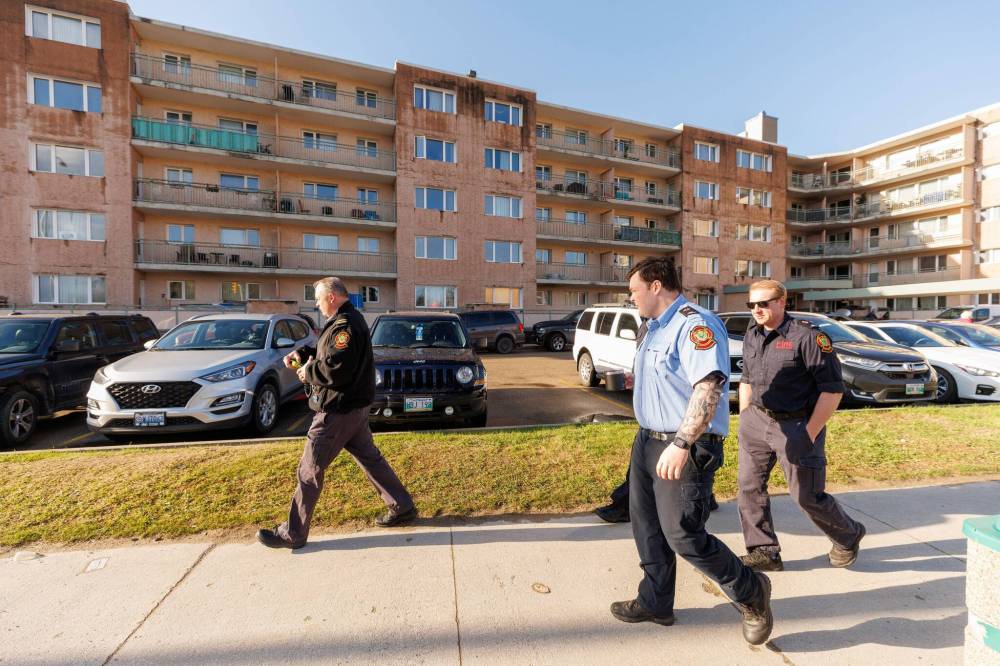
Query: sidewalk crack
x=173 y=587
x=454 y=582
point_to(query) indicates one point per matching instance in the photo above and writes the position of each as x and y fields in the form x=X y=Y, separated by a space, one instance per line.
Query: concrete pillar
x=982 y=633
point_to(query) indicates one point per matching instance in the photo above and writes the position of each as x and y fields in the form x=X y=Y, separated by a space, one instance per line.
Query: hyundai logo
x=151 y=388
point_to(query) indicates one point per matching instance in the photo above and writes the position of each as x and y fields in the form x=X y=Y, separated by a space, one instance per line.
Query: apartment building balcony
x=920 y=164
x=909 y=277
x=584 y=274
x=160 y=138
x=153 y=255
x=609 y=234
x=871 y=210
x=601 y=151
x=212 y=200
x=621 y=196
x=874 y=246
x=812 y=182
x=174 y=81
x=833 y=282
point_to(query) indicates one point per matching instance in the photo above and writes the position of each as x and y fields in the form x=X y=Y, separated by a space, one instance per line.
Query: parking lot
x=527 y=387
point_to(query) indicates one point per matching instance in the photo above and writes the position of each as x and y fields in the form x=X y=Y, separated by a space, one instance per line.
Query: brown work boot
x=394 y=516
x=632 y=611
x=845 y=557
x=760 y=559
x=757 y=619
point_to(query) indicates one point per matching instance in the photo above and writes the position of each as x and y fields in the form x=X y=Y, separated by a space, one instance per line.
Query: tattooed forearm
x=701 y=408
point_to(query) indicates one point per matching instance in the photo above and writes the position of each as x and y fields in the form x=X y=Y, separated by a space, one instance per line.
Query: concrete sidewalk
x=518 y=592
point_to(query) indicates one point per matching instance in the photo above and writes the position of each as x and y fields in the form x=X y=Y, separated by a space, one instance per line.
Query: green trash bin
x=982 y=634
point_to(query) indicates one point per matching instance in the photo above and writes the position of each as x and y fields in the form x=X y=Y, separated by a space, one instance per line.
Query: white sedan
x=963 y=373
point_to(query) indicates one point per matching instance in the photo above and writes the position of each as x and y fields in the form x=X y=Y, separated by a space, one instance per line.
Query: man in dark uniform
x=681 y=380
x=340 y=374
x=791 y=386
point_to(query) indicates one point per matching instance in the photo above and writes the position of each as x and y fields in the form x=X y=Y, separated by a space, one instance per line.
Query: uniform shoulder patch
x=341 y=339
x=823 y=342
x=702 y=337
x=688 y=311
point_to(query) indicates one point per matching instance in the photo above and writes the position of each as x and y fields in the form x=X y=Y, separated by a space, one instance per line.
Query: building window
x=991 y=214
x=239 y=237
x=932 y=302
x=707 y=152
x=70 y=289
x=504 y=296
x=177 y=65
x=651 y=189
x=747 y=196
x=578 y=298
x=366 y=98
x=990 y=172
x=503 y=206
x=989 y=299
x=319 y=90
x=708 y=301
x=747 y=160
x=543 y=256
x=502 y=252
x=177 y=175
x=500 y=112
x=238 y=75
x=319 y=191
x=47 y=158
x=757 y=232
x=706 y=265
x=543 y=130
x=180 y=290
x=652 y=150
x=705 y=190
x=504 y=160
x=234 y=181
x=706 y=228
x=64 y=94
x=543 y=297
x=542 y=174
x=367 y=196
x=60 y=27
x=366 y=147
x=578 y=258
x=370 y=294
x=321 y=242
x=178 y=117
x=753 y=268
x=319 y=140
x=623 y=220
x=308 y=292
x=236 y=291
x=69 y=225
x=433 y=198
x=436 y=297
x=436 y=247
x=435 y=150
x=989 y=256
x=576 y=217
x=543 y=214
x=369 y=245
x=795 y=271
x=576 y=137
x=433 y=100
x=180 y=233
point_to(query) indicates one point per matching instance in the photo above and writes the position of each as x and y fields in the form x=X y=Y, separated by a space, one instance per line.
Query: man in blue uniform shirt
x=681 y=382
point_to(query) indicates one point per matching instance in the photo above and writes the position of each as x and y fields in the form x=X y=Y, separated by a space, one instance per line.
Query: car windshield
x=984 y=335
x=835 y=331
x=215 y=334
x=21 y=337
x=946 y=333
x=953 y=313
x=914 y=336
x=418 y=332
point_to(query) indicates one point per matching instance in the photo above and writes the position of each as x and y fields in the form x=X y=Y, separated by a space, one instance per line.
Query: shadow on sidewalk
x=895 y=631
x=916 y=556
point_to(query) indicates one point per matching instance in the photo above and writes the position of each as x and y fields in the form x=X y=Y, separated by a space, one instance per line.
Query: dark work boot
x=632 y=611
x=394 y=517
x=845 y=557
x=760 y=559
x=612 y=513
x=757 y=618
x=271 y=539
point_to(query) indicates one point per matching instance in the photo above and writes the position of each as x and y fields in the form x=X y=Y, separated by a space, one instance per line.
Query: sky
x=837 y=74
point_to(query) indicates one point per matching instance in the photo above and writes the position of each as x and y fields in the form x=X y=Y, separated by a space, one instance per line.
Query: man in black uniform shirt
x=340 y=374
x=791 y=386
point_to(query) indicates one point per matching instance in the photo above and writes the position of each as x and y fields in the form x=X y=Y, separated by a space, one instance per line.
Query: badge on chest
x=787 y=345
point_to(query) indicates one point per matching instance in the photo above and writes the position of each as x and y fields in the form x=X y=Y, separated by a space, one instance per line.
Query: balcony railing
x=605 y=191
x=869 y=209
x=817 y=215
x=918 y=163
x=872 y=245
x=607 y=232
x=581 y=273
x=605 y=148
x=262 y=87
x=819 y=181
x=209 y=195
x=218 y=257
x=255 y=143
x=911 y=277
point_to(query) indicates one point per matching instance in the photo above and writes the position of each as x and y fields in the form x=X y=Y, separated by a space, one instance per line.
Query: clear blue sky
x=837 y=74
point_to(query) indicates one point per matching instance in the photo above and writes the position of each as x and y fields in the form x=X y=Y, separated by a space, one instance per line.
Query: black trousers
x=668 y=519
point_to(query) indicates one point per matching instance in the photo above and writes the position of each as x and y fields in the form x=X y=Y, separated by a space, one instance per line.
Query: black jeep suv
x=48 y=362
x=426 y=369
x=555 y=334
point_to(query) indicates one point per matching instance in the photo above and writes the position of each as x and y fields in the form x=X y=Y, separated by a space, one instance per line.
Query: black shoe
x=757 y=618
x=394 y=517
x=760 y=559
x=632 y=611
x=712 y=504
x=845 y=557
x=612 y=514
x=271 y=539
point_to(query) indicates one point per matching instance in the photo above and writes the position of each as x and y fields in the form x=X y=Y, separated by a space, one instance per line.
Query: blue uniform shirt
x=684 y=345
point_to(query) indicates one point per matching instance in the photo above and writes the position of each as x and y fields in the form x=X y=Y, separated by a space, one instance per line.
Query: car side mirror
x=148 y=344
x=282 y=343
x=627 y=334
x=68 y=346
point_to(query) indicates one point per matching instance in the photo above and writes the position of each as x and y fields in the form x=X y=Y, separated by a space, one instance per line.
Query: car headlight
x=978 y=372
x=378 y=377
x=100 y=378
x=859 y=361
x=540 y=330
x=465 y=374
x=233 y=372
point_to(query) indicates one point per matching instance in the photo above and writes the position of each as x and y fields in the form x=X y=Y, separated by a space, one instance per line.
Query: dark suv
x=426 y=369
x=48 y=362
x=555 y=334
x=499 y=330
x=874 y=372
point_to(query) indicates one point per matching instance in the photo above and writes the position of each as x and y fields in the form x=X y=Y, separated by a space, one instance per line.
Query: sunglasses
x=761 y=304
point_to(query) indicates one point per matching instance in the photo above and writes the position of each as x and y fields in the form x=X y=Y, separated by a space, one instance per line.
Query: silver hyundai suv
x=212 y=371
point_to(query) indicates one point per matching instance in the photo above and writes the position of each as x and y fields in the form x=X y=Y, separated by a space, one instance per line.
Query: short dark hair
x=663 y=269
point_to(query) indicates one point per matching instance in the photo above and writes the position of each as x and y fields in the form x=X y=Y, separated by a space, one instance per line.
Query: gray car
x=210 y=372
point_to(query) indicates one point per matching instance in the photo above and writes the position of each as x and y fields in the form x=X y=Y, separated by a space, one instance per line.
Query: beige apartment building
x=155 y=165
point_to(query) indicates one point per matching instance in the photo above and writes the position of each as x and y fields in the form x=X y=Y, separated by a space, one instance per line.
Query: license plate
x=418 y=404
x=150 y=419
x=914 y=389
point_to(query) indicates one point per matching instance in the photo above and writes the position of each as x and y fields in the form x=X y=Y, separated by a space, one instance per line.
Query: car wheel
x=946 y=389
x=478 y=421
x=265 y=409
x=585 y=367
x=556 y=342
x=505 y=345
x=19 y=416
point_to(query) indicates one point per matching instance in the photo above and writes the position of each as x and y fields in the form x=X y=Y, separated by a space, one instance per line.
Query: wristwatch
x=681 y=443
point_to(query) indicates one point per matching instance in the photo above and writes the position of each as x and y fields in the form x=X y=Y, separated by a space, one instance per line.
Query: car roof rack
x=626 y=304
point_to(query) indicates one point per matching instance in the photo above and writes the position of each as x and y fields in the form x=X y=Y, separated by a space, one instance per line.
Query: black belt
x=783 y=416
x=669 y=436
